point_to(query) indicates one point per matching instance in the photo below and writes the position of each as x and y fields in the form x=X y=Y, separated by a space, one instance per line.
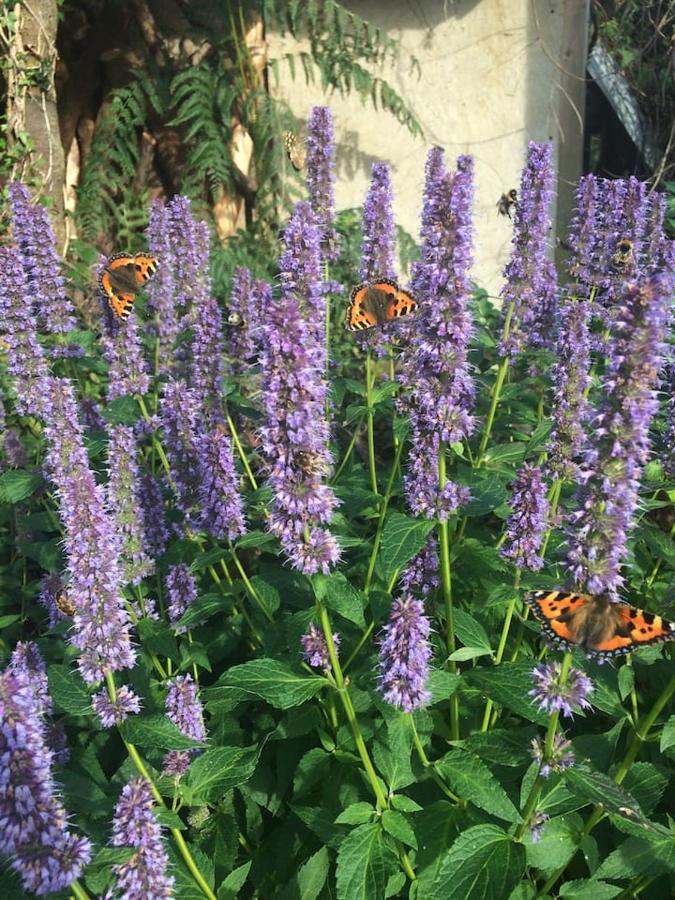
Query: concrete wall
x=494 y=75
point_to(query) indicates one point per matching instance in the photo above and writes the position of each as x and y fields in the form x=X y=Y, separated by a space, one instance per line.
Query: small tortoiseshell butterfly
x=122 y=278
x=604 y=629
x=375 y=302
x=296 y=150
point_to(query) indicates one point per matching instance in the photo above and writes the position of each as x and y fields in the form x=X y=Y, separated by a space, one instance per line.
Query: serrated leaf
x=268 y=594
x=312 y=876
x=588 y=889
x=255 y=539
x=405 y=804
x=215 y=771
x=339 y=595
x=273 y=681
x=626 y=681
x=17 y=485
x=505 y=748
x=486 y=495
x=597 y=788
x=556 y=845
x=442 y=684
x=668 y=735
x=365 y=862
x=472 y=780
x=508 y=686
x=396 y=824
x=637 y=856
x=470 y=631
x=356 y=814
x=402 y=538
x=484 y=863
x=203 y=608
x=464 y=653
x=505 y=453
x=156 y=731
x=312 y=768
x=68 y=691
x=234 y=882
x=122 y=411
x=646 y=783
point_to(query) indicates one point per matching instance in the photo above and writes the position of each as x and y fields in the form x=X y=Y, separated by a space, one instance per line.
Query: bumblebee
x=623 y=257
x=65 y=604
x=506 y=202
x=296 y=150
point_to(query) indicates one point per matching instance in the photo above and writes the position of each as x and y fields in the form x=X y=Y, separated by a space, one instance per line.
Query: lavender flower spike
x=438 y=387
x=529 y=292
x=221 y=502
x=122 y=349
x=112 y=712
x=33 y=823
x=242 y=343
x=321 y=176
x=162 y=289
x=181 y=589
x=143 y=876
x=378 y=253
x=36 y=241
x=315 y=648
x=554 y=697
x=614 y=460
x=101 y=622
x=527 y=523
x=184 y=709
x=405 y=654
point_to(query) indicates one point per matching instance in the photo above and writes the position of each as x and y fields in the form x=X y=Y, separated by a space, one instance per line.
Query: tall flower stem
x=78 y=891
x=370 y=378
x=535 y=790
x=242 y=454
x=156 y=444
x=639 y=738
x=429 y=765
x=496 y=389
x=249 y=587
x=350 y=712
x=135 y=757
x=383 y=513
x=502 y=643
x=348 y=451
x=446 y=582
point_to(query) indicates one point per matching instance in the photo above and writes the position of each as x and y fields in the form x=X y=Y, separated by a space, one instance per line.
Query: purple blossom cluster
x=242 y=316
x=51 y=588
x=421 y=572
x=529 y=295
x=113 y=711
x=315 y=648
x=151 y=502
x=221 y=503
x=34 y=829
x=143 y=875
x=36 y=243
x=438 y=387
x=122 y=350
x=404 y=655
x=619 y=445
x=527 y=523
x=179 y=412
x=561 y=758
x=295 y=434
x=102 y=627
x=552 y=696
x=181 y=591
x=321 y=177
x=184 y=709
x=162 y=289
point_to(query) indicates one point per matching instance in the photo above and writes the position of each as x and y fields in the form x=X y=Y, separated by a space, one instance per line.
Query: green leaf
x=597 y=788
x=557 y=845
x=502 y=747
x=588 y=889
x=637 y=856
x=464 y=653
x=204 y=607
x=484 y=863
x=365 y=862
x=393 y=758
x=626 y=681
x=508 y=686
x=312 y=876
x=505 y=453
x=486 y=495
x=668 y=735
x=405 y=804
x=234 y=882
x=156 y=731
x=356 y=814
x=472 y=780
x=396 y=824
x=402 y=538
x=68 y=691
x=273 y=681
x=17 y=485
x=312 y=768
x=442 y=684
x=436 y=827
x=470 y=631
x=268 y=594
x=122 y=411
x=339 y=595
x=6 y=621
x=214 y=772
x=255 y=539
x=646 y=783
x=169 y=819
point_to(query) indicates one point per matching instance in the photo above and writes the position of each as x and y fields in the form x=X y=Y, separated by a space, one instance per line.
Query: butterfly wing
x=373 y=303
x=558 y=612
x=633 y=628
x=295 y=150
x=145 y=267
x=122 y=278
x=402 y=303
x=361 y=312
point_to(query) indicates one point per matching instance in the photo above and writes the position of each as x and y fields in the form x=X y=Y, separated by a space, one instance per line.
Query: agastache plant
x=404 y=655
x=162 y=289
x=315 y=647
x=295 y=430
x=321 y=177
x=242 y=318
x=619 y=445
x=184 y=709
x=438 y=388
x=527 y=523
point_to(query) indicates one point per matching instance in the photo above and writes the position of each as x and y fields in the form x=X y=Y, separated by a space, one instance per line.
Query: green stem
x=157 y=445
x=78 y=891
x=502 y=643
x=249 y=587
x=430 y=766
x=496 y=389
x=371 y=434
x=364 y=637
x=446 y=581
x=383 y=512
x=348 y=451
x=135 y=757
x=240 y=451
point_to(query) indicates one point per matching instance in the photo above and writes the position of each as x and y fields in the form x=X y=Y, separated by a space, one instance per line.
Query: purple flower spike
x=378 y=253
x=315 y=648
x=25 y=358
x=221 y=503
x=321 y=176
x=421 y=573
x=112 y=712
x=184 y=708
x=162 y=288
x=190 y=245
x=182 y=439
x=154 y=521
x=241 y=319
x=527 y=523
x=144 y=875
x=570 y=409
x=36 y=241
x=51 y=588
x=26 y=657
x=295 y=430
x=405 y=654
x=439 y=389
x=122 y=349
x=101 y=622
x=619 y=445
x=124 y=498
x=562 y=755
x=33 y=823
x=537 y=822
x=529 y=292
x=181 y=589
x=554 y=697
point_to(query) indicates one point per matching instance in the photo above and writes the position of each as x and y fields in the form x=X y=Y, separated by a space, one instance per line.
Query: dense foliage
x=263 y=619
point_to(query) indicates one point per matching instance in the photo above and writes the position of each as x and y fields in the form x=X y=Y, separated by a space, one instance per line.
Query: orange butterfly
x=122 y=278
x=603 y=628
x=375 y=302
x=296 y=150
